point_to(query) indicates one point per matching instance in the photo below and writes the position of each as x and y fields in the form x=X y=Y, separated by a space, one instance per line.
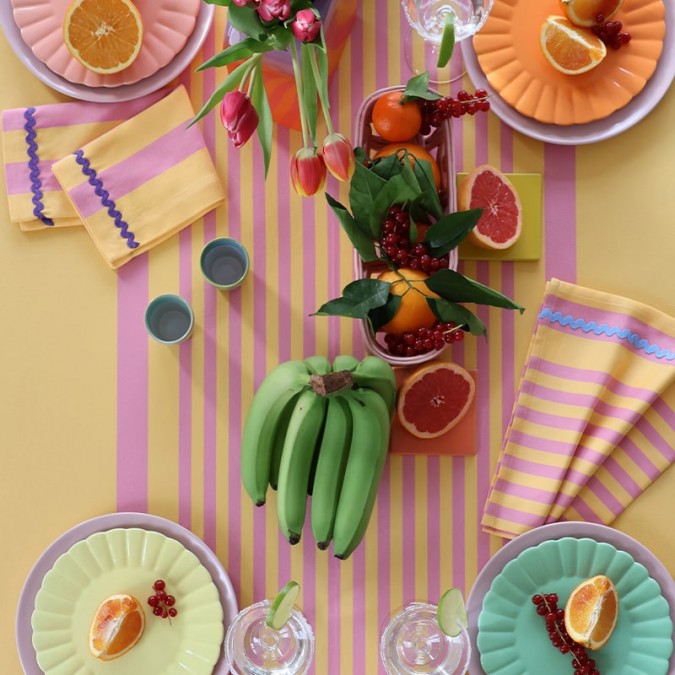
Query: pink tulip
x=306 y=25
x=338 y=155
x=269 y=10
x=240 y=3
x=239 y=117
x=308 y=172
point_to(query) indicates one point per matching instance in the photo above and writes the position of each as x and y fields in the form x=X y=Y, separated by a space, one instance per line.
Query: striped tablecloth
x=170 y=420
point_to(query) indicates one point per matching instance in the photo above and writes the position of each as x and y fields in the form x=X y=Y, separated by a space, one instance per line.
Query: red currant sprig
x=610 y=32
x=434 y=113
x=423 y=340
x=547 y=606
x=161 y=602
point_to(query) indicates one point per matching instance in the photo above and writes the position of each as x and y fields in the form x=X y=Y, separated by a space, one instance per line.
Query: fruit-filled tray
x=439 y=144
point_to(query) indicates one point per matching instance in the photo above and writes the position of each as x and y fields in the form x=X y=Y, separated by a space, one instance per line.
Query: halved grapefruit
x=434 y=398
x=489 y=189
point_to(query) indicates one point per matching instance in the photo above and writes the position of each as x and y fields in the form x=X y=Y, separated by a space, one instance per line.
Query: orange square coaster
x=459 y=441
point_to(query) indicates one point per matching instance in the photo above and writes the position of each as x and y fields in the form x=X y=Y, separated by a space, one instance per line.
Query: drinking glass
x=413 y=643
x=427 y=20
x=252 y=648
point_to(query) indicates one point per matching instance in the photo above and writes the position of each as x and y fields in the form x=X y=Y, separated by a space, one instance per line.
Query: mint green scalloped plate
x=512 y=638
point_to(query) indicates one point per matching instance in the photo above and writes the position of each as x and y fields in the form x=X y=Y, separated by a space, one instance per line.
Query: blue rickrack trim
x=96 y=183
x=33 y=159
x=611 y=331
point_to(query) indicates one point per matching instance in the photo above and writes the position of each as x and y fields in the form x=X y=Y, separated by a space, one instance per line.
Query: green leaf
x=398 y=190
x=447 y=41
x=387 y=167
x=360 y=154
x=262 y=107
x=236 y=52
x=246 y=20
x=322 y=62
x=358 y=299
x=448 y=311
x=454 y=286
x=383 y=315
x=363 y=188
x=450 y=230
x=228 y=84
x=280 y=37
x=360 y=240
x=297 y=5
x=309 y=93
x=418 y=87
x=431 y=201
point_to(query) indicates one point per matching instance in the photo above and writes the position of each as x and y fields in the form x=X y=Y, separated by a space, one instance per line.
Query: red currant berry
x=463 y=95
x=161 y=595
x=165 y=614
x=169 y=601
x=153 y=600
x=157 y=611
x=159 y=585
x=173 y=612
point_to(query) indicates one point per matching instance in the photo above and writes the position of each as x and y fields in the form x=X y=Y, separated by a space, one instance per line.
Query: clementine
x=416 y=152
x=414 y=311
x=117 y=626
x=395 y=118
x=591 y=612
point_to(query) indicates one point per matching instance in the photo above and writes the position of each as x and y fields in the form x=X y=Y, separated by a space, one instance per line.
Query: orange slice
x=416 y=152
x=434 y=398
x=591 y=612
x=414 y=311
x=117 y=626
x=568 y=48
x=501 y=223
x=105 y=36
x=585 y=12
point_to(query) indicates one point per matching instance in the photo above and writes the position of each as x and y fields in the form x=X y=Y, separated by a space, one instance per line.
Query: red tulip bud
x=338 y=155
x=269 y=10
x=308 y=172
x=306 y=25
x=239 y=117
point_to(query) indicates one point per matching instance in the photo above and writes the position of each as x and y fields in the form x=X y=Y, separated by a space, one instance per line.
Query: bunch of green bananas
x=320 y=429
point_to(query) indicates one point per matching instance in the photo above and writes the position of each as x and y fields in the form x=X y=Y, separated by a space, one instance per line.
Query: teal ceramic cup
x=169 y=319
x=224 y=263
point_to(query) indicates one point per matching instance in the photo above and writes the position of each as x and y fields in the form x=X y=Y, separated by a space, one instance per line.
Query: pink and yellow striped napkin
x=594 y=421
x=33 y=139
x=143 y=181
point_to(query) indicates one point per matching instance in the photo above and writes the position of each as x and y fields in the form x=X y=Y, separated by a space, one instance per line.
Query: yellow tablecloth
x=84 y=395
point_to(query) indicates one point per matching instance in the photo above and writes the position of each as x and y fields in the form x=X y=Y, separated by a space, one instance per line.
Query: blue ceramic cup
x=224 y=263
x=169 y=319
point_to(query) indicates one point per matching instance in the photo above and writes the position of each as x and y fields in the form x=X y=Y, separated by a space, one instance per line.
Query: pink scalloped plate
x=167 y=25
x=509 y=54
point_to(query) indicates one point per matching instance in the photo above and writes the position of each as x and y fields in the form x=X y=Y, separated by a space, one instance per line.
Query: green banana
x=279 y=439
x=318 y=365
x=376 y=374
x=302 y=436
x=367 y=454
x=345 y=362
x=330 y=468
x=262 y=421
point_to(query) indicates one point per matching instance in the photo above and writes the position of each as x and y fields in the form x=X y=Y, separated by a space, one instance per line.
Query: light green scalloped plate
x=128 y=561
x=512 y=637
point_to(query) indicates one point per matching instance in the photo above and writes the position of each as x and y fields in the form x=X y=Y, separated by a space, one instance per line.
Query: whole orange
x=414 y=311
x=416 y=152
x=396 y=119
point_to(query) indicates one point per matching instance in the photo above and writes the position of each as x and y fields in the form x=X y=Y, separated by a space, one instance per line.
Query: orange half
x=105 y=36
x=585 y=12
x=568 y=48
x=116 y=627
x=591 y=612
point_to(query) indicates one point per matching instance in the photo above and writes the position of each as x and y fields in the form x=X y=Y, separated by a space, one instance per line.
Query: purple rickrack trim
x=33 y=159
x=96 y=183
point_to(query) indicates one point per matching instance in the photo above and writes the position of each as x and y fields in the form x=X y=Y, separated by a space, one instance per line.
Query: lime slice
x=280 y=609
x=451 y=613
x=447 y=41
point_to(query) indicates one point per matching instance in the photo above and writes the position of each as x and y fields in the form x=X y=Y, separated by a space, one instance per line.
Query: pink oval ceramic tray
x=166 y=27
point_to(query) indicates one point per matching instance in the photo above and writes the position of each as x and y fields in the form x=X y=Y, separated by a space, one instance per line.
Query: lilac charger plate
x=514 y=548
x=126 y=92
x=100 y=524
x=592 y=132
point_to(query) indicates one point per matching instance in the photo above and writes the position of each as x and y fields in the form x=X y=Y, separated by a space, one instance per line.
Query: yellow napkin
x=142 y=182
x=594 y=421
x=34 y=138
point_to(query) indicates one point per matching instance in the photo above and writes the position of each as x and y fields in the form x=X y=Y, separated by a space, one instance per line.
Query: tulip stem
x=298 y=86
x=325 y=106
x=253 y=62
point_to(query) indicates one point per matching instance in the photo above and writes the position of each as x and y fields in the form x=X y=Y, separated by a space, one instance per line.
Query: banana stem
x=325 y=385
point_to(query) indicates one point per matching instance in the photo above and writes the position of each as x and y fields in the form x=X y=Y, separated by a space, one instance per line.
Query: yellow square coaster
x=528 y=247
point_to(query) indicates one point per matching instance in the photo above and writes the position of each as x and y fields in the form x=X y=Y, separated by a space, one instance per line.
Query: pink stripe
x=185 y=391
x=384 y=547
x=560 y=242
x=533 y=468
x=596 y=488
x=620 y=476
x=515 y=515
x=458 y=526
x=658 y=442
x=433 y=552
x=586 y=512
x=359 y=610
x=334 y=614
x=639 y=458
x=408 y=528
x=524 y=491
x=17 y=177
x=80 y=112
x=132 y=387
x=140 y=168
x=664 y=411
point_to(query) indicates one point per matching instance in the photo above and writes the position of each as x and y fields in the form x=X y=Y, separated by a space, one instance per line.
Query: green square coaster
x=528 y=247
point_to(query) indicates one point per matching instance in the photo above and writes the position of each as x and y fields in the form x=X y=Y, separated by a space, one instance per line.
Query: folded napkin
x=593 y=424
x=143 y=181
x=34 y=138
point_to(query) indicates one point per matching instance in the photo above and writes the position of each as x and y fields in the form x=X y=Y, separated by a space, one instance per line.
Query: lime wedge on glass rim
x=280 y=609
x=447 y=45
x=451 y=613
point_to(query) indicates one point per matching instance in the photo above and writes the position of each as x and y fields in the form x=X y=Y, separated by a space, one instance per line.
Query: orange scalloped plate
x=507 y=48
